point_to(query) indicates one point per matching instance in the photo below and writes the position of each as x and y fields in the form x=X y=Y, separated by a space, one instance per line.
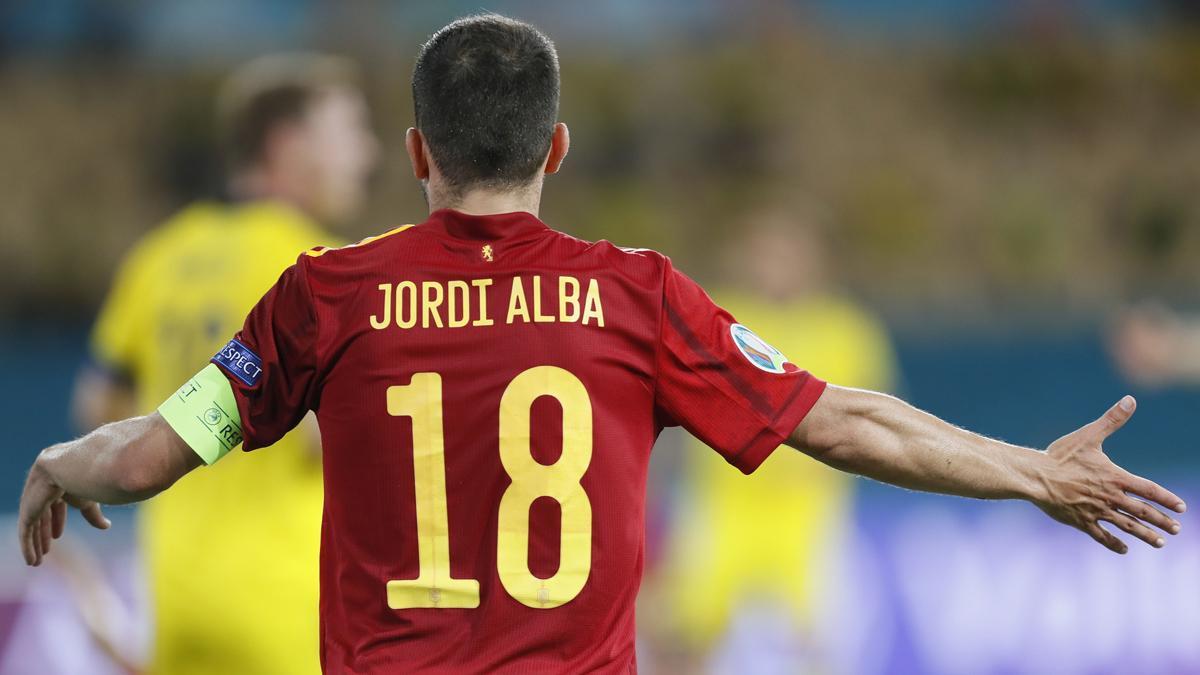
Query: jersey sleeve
x=271 y=363
x=723 y=383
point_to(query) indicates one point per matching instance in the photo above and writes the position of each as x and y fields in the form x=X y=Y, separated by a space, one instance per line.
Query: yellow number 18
x=421 y=400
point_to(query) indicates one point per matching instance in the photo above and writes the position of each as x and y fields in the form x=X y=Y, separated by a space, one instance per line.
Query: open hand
x=1083 y=487
x=43 y=514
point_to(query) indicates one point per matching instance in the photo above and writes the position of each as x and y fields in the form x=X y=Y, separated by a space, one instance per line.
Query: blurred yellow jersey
x=232 y=549
x=767 y=536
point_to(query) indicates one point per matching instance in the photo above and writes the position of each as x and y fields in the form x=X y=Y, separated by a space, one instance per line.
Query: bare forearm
x=119 y=463
x=1073 y=481
x=881 y=437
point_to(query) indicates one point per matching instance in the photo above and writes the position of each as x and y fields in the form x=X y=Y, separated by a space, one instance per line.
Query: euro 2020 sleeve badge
x=756 y=350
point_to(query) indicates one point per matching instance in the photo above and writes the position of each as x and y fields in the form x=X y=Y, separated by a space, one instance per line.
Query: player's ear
x=414 y=143
x=560 y=142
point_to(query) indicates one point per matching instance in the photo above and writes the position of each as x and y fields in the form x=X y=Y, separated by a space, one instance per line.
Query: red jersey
x=488 y=391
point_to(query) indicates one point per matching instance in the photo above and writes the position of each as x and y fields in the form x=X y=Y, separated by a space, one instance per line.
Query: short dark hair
x=270 y=91
x=485 y=93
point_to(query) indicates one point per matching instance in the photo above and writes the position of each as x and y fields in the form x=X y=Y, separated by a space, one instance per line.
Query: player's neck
x=487 y=202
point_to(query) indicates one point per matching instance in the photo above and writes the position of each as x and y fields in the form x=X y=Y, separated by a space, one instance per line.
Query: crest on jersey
x=756 y=350
x=487 y=254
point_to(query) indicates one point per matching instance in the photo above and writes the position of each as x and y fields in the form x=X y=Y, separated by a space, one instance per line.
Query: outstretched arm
x=118 y=463
x=1073 y=481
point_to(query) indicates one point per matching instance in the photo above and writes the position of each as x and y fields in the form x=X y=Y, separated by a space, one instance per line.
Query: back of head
x=485 y=90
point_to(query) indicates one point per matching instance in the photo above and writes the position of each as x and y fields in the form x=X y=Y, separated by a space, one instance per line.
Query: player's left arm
x=118 y=463
x=1073 y=481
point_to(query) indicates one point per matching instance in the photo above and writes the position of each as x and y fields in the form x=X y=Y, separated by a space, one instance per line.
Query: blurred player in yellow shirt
x=232 y=553
x=743 y=542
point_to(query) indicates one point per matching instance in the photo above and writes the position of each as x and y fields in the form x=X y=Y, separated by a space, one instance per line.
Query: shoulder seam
x=320 y=251
x=664 y=270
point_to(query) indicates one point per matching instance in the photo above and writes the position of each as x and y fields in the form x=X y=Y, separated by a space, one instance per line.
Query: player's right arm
x=118 y=463
x=744 y=399
x=257 y=388
x=1073 y=481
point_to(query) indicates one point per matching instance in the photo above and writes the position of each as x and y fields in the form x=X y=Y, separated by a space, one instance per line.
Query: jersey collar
x=488 y=227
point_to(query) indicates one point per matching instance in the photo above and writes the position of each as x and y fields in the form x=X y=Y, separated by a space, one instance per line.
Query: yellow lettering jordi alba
x=460 y=303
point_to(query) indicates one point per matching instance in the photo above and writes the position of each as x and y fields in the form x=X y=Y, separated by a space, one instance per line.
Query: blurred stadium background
x=974 y=188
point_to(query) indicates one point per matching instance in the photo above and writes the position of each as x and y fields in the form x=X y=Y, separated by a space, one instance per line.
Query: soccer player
x=232 y=554
x=488 y=390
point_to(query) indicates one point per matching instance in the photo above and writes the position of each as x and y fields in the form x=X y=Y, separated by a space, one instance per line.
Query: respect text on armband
x=240 y=361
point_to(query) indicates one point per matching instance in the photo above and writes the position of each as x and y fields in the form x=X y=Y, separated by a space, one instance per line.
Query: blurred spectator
x=232 y=551
x=757 y=545
x=1155 y=346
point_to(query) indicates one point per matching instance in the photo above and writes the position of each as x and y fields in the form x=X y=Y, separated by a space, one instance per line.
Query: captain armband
x=204 y=413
